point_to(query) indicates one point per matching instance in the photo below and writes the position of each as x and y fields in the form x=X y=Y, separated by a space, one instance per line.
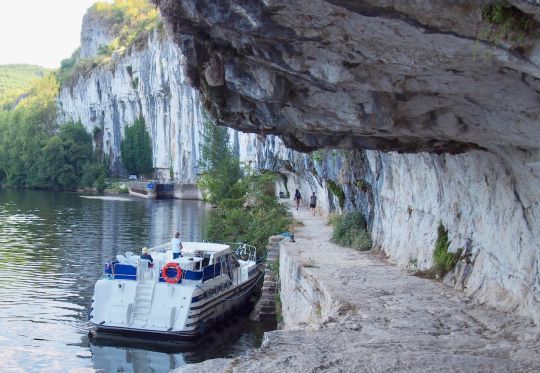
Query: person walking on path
x=297 y=198
x=313 y=203
x=176 y=245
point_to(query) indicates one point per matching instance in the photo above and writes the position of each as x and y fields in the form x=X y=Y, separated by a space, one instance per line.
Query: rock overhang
x=386 y=75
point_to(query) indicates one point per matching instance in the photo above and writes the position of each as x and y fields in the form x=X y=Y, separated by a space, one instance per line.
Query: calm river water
x=52 y=250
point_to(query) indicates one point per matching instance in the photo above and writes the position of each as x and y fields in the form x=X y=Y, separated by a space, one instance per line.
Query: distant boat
x=180 y=298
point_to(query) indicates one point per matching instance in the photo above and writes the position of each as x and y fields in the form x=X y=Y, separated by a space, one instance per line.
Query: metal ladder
x=142 y=303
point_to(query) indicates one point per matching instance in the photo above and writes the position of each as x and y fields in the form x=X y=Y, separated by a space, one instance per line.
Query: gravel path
x=382 y=320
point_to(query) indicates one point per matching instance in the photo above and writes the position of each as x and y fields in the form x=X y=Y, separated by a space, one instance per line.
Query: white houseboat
x=177 y=298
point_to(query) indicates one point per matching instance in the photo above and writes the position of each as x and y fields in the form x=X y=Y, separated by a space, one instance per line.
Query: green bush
x=118 y=187
x=510 y=17
x=502 y=21
x=94 y=176
x=317 y=156
x=351 y=230
x=233 y=222
x=100 y=184
x=443 y=261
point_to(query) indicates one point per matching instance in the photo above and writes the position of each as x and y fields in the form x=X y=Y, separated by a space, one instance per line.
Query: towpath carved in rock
x=351 y=311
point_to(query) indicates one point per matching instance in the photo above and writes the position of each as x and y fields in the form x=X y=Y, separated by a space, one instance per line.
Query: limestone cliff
x=148 y=83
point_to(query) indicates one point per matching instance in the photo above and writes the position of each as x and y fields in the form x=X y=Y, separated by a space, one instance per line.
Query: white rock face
x=489 y=203
x=148 y=83
x=94 y=34
x=487 y=199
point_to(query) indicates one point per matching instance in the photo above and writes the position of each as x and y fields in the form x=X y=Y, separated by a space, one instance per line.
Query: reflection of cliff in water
x=114 y=353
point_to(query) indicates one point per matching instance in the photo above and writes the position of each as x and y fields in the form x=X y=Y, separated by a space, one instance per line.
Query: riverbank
x=345 y=310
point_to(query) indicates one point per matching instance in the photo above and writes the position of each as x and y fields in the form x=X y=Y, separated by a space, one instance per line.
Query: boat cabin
x=200 y=262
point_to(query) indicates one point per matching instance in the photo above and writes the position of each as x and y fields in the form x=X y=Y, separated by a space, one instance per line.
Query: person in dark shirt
x=297 y=198
x=313 y=203
x=147 y=256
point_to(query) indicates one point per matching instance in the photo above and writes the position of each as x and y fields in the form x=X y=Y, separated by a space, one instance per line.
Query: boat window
x=205 y=256
x=206 y=260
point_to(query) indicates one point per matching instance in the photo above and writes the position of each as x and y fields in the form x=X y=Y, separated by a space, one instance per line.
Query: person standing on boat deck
x=313 y=203
x=297 y=198
x=176 y=246
x=146 y=256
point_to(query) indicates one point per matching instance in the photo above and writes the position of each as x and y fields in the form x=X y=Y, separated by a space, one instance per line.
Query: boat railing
x=146 y=271
x=160 y=248
x=245 y=251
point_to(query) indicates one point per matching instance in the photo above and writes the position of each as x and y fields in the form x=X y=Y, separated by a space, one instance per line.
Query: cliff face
x=488 y=203
x=427 y=77
x=150 y=83
x=388 y=76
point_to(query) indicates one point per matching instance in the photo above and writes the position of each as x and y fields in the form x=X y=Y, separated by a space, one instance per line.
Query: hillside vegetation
x=14 y=79
x=131 y=21
x=37 y=152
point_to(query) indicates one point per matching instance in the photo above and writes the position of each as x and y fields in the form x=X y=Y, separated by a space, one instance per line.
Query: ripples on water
x=52 y=250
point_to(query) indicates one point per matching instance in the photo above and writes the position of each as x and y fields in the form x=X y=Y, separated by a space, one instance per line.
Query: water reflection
x=119 y=354
x=52 y=248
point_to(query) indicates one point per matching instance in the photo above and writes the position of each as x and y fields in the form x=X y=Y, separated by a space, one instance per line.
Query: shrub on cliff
x=443 y=260
x=136 y=149
x=130 y=21
x=351 y=230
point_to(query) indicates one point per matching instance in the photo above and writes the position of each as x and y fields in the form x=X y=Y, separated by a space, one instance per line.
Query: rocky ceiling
x=410 y=76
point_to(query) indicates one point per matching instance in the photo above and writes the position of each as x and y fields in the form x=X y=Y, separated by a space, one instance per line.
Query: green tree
x=34 y=151
x=247 y=208
x=136 y=149
x=64 y=159
x=253 y=215
x=25 y=129
x=221 y=168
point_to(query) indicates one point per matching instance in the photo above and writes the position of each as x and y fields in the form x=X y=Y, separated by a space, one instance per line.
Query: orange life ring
x=175 y=279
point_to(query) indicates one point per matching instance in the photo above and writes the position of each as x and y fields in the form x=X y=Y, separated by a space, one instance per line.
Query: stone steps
x=266 y=306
